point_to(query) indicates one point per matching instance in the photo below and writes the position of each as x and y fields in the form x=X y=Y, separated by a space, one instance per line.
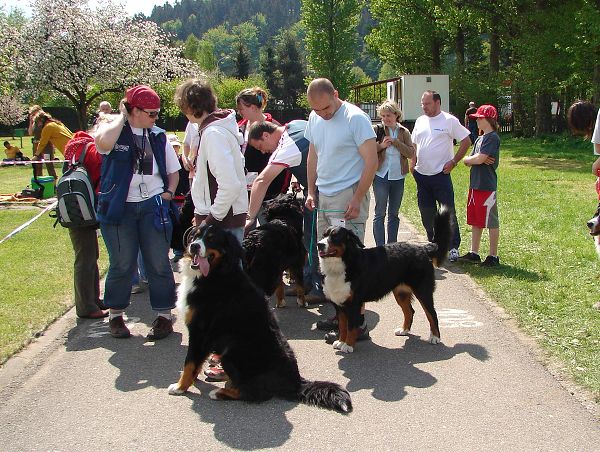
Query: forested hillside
x=198 y=16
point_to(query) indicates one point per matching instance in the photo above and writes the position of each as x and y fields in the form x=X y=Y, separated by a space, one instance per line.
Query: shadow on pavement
x=388 y=372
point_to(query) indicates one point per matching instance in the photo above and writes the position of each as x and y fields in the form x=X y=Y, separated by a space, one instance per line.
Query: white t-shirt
x=596 y=135
x=287 y=153
x=433 y=139
x=191 y=138
x=336 y=142
x=154 y=182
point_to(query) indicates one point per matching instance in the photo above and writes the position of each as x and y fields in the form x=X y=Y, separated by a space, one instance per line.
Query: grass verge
x=548 y=276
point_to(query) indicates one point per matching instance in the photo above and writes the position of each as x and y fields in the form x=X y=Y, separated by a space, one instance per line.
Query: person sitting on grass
x=12 y=152
x=482 y=207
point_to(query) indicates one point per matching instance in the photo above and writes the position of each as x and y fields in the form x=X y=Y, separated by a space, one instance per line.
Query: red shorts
x=482 y=209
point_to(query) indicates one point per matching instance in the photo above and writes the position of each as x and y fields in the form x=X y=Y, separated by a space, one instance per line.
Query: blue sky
x=132 y=6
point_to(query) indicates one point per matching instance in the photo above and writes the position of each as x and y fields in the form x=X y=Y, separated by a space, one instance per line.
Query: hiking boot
x=328 y=324
x=118 y=328
x=491 y=261
x=470 y=257
x=161 y=328
x=363 y=335
x=453 y=255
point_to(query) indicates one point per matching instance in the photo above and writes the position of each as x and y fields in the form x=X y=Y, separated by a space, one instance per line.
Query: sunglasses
x=152 y=114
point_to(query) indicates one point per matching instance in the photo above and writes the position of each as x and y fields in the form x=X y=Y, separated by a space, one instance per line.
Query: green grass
x=36 y=268
x=548 y=278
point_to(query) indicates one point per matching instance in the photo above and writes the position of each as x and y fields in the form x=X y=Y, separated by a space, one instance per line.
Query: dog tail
x=325 y=394
x=441 y=236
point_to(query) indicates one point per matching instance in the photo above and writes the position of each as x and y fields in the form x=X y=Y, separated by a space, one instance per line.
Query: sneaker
x=161 y=328
x=470 y=257
x=363 y=335
x=118 y=328
x=453 y=255
x=140 y=287
x=491 y=261
x=216 y=373
x=328 y=324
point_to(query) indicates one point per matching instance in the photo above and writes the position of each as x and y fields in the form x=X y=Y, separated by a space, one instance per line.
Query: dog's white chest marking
x=186 y=286
x=335 y=286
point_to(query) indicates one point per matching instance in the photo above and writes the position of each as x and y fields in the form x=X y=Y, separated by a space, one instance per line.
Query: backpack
x=76 y=196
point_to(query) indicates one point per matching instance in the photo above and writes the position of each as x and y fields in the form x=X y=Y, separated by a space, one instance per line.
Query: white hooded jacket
x=219 y=150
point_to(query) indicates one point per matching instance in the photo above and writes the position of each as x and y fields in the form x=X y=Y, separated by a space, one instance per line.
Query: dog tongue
x=202 y=264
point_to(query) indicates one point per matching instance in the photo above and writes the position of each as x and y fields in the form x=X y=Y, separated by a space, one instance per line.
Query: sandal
x=216 y=373
x=214 y=359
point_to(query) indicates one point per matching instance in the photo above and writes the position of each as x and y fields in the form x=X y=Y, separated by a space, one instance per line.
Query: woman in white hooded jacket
x=219 y=186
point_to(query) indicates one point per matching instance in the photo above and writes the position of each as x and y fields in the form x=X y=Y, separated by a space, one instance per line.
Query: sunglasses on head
x=152 y=114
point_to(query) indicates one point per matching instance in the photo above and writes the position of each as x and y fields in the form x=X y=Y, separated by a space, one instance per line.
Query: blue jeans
x=137 y=232
x=384 y=190
x=433 y=190
x=140 y=271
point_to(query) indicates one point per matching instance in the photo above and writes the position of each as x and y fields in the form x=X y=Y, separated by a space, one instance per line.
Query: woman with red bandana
x=140 y=172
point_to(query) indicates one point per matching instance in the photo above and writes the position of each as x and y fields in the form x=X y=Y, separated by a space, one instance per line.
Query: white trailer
x=406 y=90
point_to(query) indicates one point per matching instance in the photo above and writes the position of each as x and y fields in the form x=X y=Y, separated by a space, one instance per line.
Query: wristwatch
x=169 y=192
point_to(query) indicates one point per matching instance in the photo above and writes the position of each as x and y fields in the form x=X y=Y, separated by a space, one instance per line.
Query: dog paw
x=433 y=339
x=214 y=394
x=301 y=302
x=280 y=304
x=338 y=345
x=174 y=389
x=345 y=348
x=401 y=332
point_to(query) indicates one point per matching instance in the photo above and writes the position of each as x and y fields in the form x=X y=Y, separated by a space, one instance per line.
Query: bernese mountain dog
x=277 y=246
x=226 y=313
x=355 y=275
x=594 y=226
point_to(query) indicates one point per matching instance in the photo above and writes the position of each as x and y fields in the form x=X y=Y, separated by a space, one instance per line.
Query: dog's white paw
x=174 y=389
x=433 y=339
x=338 y=345
x=280 y=304
x=345 y=348
x=401 y=332
x=301 y=302
x=213 y=394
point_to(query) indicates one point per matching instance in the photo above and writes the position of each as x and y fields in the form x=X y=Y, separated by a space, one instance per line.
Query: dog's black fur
x=228 y=314
x=593 y=225
x=277 y=246
x=355 y=275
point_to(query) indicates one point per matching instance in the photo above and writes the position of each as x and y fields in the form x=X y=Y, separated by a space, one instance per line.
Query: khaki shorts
x=332 y=208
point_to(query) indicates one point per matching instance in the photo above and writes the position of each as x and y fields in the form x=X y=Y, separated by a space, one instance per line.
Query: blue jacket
x=117 y=171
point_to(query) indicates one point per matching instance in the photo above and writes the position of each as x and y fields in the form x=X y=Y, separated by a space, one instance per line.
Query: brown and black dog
x=354 y=275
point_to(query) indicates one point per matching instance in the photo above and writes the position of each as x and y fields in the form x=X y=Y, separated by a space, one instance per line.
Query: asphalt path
x=485 y=387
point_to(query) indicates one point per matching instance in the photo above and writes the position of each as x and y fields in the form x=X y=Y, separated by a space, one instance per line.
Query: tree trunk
x=82 y=108
x=543 y=113
x=494 y=51
x=460 y=49
x=436 y=59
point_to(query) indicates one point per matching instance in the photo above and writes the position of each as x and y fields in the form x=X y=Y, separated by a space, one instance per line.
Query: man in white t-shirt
x=342 y=161
x=433 y=136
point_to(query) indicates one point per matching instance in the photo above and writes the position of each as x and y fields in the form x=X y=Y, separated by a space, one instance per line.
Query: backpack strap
x=82 y=155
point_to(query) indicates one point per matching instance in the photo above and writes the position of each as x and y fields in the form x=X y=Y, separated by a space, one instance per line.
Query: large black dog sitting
x=227 y=313
x=277 y=246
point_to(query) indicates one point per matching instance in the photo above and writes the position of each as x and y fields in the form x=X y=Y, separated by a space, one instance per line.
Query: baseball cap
x=173 y=139
x=142 y=97
x=485 y=111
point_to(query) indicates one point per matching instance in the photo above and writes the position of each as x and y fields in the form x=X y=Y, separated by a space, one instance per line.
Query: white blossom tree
x=83 y=52
x=12 y=111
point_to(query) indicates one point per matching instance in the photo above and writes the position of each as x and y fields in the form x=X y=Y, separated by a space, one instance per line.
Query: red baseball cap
x=485 y=111
x=143 y=97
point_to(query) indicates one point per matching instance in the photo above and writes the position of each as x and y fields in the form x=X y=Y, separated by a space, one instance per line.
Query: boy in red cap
x=482 y=207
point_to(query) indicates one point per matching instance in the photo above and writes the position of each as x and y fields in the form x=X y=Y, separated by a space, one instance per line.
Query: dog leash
x=312 y=231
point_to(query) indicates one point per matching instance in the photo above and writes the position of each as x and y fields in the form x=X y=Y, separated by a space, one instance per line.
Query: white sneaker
x=453 y=255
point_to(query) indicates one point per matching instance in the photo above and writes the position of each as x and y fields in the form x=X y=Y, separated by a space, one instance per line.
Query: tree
x=268 y=69
x=242 y=62
x=83 y=53
x=291 y=70
x=331 y=39
x=12 y=111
